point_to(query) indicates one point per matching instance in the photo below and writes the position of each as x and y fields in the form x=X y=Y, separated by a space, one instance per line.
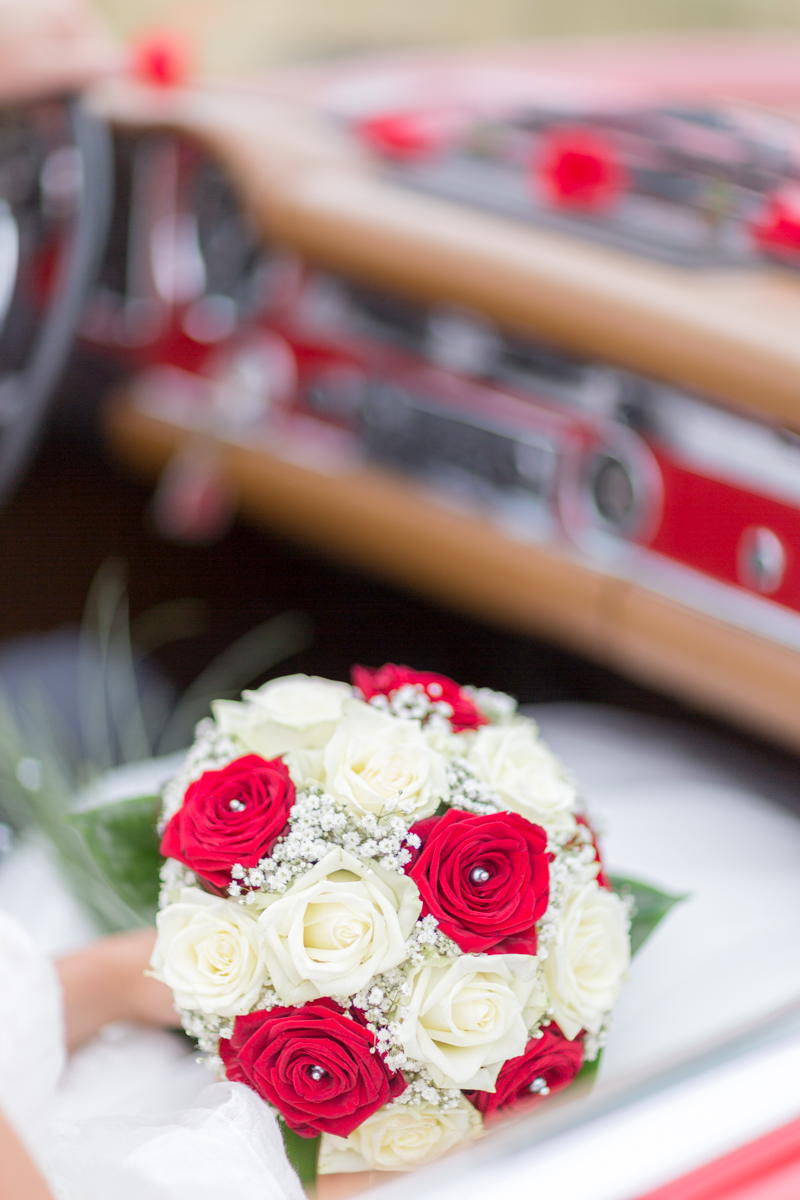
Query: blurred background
x=250 y=34
x=77 y=507
x=546 y=442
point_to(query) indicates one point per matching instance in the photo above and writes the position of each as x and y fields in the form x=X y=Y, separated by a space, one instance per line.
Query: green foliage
x=122 y=839
x=110 y=858
x=37 y=800
x=651 y=906
x=302 y=1153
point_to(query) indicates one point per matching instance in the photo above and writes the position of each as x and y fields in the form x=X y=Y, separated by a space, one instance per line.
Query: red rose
x=389 y=678
x=602 y=878
x=230 y=816
x=549 y=1064
x=314 y=1063
x=486 y=879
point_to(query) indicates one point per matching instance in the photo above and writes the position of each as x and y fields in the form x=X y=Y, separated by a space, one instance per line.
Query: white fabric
x=130 y=1069
x=31 y=1036
x=227 y=1144
x=222 y=1141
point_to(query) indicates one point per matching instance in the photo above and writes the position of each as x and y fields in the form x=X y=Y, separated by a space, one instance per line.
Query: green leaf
x=122 y=839
x=651 y=906
x=302 y=1153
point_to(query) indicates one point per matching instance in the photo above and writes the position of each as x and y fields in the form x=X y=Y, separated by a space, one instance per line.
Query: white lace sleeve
x=31 y=1036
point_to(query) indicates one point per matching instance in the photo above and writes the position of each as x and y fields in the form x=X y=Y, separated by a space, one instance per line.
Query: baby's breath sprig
x=174 y=876
x=498 y=707
x=412 y=702
x=319 y=824
x=422 y=1088
x=593 y=1043
x=570 y=866
x=210 y=751
x=207 y=1031
x=467 y=791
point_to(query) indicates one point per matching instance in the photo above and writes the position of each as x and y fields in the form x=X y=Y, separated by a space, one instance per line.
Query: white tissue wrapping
x=227 y=1144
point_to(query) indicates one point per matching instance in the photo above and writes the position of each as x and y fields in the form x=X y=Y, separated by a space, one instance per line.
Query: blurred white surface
x=624 y=1154
x=688 y=819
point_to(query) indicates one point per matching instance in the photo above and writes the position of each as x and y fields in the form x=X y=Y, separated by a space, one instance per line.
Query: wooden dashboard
x=730 y=334
x=391 y=528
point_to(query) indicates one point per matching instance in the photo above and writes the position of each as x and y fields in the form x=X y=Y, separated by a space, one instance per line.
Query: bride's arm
x=19 y=1178
x=106 y=982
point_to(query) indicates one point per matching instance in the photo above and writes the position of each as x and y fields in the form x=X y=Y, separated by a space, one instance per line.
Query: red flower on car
x=234 y=815
x=580 y=169
x=389 y=678
x=548 y=1064
x=314 y=1063
x=485 y=878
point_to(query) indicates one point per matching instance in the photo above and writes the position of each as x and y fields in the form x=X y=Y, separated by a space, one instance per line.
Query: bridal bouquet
x=383 y=909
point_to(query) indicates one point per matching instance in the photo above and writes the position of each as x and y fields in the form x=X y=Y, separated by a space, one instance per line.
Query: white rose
x=337 y=926
x=587 y=963
x=376 y=763
x=210 y=952
x=305 y=766
x=445 y=742
x=400 y=1137
x=536 y=1005
x=292 y=713
x=524 y=772
x=466 y=1016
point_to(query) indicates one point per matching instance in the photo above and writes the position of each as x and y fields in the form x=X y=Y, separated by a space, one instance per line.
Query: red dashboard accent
x=704 y=520
x=777 y=232
x=411 y=135
x=767 y=1169
x=579 y=169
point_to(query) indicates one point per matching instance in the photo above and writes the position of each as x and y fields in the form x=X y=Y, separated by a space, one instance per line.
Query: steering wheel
x=56 y=191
